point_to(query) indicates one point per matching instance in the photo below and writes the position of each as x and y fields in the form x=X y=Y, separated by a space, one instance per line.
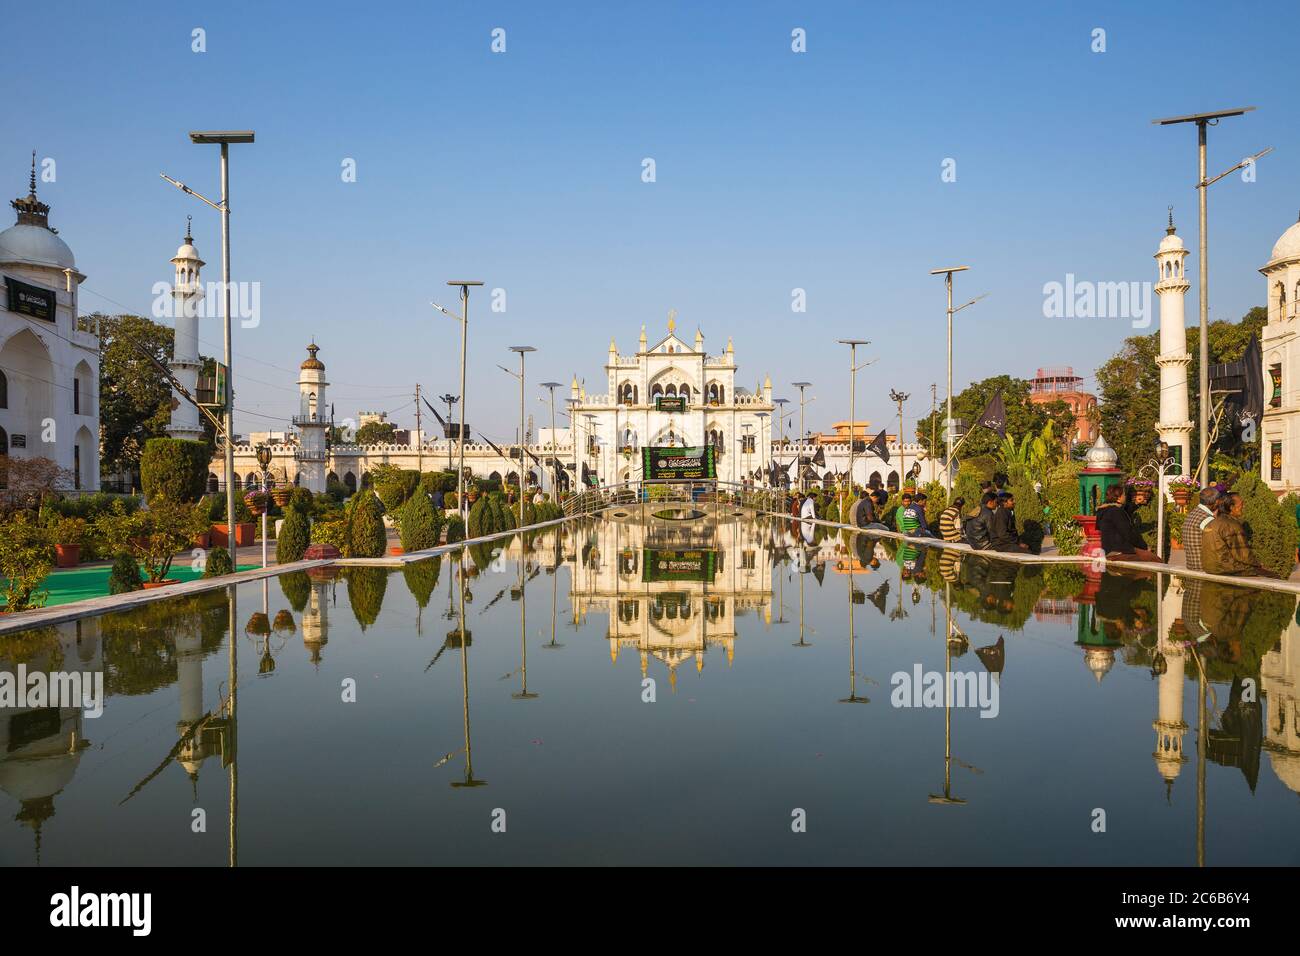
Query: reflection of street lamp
x=1158 y=466
x=264 y=459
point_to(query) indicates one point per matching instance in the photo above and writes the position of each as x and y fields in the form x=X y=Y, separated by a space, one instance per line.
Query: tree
x=135 y=398
x=420 y=526
x=294 y=536
x=26 y=482
x=366 y=536
x=1129 y=396
x=174 y=468
x=26 y=558
x=1023 y=416
x=376 y=433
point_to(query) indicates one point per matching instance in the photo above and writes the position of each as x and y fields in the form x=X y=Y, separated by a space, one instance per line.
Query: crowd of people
x=1214 y=535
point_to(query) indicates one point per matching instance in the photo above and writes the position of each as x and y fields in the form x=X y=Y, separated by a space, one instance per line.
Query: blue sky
x=775 y=171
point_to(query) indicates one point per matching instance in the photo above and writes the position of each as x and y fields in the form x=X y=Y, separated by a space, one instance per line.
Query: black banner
x=679 y=464
x=31 y=300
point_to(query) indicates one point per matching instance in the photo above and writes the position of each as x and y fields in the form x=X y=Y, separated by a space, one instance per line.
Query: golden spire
x=672 y=320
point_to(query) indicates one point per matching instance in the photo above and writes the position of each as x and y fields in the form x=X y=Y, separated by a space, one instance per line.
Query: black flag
x=1252 y=398
x=880 y=446
x=994 y=415
x=819 y=457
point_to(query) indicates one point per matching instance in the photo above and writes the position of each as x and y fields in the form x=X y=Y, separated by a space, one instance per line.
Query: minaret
x=312 y=420
x=1169 y=725
x=187 y=297
x=1174 y=426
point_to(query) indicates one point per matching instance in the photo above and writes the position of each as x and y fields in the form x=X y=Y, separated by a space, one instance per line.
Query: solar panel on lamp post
x=802 y=434
x=853 y=396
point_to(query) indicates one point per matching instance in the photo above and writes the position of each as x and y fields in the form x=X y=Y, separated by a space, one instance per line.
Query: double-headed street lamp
x=947 y=272
x=523 y=350
x=853 y=397
x=1202 y=121
x=554 y=462
x=450 y=401
x=223 y=138
x=900 y=397
x=463 y=319
x=802 y=434
x=1159 y=466
x=781 y=413
x=264 y=460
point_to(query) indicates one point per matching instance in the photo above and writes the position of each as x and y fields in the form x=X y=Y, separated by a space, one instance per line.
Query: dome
x=187 y=251
x=25 y=244
x=1288 y=245
x=1100 y=456
x=1171 y=243
x=1099 y=660
x=313 y=362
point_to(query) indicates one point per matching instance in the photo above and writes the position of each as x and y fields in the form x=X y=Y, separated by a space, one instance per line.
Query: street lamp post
x=947 y=272
x=780 y=404
x=451 y=400
x=224 y=138
x=264 y=460
x=573 y=441
x=802 y=434
x=554 y=462
x=463 y=318
x=853 y=397
x=900 y=398
x=762 y=421
x=1159 y=467
x=523 y=350
x=1203 y=121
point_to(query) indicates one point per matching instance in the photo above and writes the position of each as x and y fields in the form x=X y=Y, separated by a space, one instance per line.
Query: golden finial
x=672 y=320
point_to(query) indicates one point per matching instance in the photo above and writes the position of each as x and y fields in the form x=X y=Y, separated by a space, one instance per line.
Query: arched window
x=670 y=391
x=250 y=481
x=655 y=391
x=351 y=481
x=311 y=405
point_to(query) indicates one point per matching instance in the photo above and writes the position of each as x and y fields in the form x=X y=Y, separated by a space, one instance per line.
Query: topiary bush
x=366 y=536
x=455 y=529
x=421 y=526
x=296 y=586
x=1270 y=524
x=294 y=536
x=218 y=563
x=174 y=468
x=480 y=518
x=125 y=575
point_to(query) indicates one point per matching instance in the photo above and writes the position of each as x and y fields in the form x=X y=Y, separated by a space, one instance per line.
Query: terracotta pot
x=1175 y=546
x=396 y=549
x=151 y=585
x=245 y=533
x=67 y=555
x=1182 y=496
x=1141 y=495
x=281 y=496
x=203 y=540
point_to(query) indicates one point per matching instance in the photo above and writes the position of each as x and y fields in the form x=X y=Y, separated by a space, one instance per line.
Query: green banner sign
x=32 y=300
x=670 y=403
x=679 y=464
x=678 y=565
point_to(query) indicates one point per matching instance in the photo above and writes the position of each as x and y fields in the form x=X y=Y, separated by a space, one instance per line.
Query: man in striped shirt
x=950 y=521
x=1198 y=519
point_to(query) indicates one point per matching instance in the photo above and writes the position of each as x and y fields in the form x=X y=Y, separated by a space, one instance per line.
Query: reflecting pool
x=701 y=690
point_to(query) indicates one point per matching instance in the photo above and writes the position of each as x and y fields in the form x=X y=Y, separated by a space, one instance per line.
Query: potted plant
x=69 y=535
x=1182 y=489
x=153 y=537
x=281 y=494
x=257 y=502
x=245 y=529
x=1141 y=490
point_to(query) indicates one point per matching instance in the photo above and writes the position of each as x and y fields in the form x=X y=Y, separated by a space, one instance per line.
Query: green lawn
x=77 y=584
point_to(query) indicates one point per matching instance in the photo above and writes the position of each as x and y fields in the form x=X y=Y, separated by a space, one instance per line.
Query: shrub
x=366 y=536
x=1270 y=524
x=479 y=514
x=26 y=558
x=336 y=489
x=449 y=501
x=421 y=578
x=421 y=527
x=333 y=532
x=295 y=534
x=1062 y=506
x=395 y=486
x=154 y=536
x=455 y=529
x=218 y=563
x=302 y=498
x=174 y=468
x=215 y=507
x=125 y=575
x=366 y=587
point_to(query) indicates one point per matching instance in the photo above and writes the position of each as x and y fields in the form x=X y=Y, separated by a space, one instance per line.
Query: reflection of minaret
x=1279 y=679
x=189 y=679
x=315 y=616
x=1169 y=724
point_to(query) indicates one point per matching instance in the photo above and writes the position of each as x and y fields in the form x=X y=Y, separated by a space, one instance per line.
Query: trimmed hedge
x=366 y=536
x=125 y=575
x=421 y=526
x=174 y=468
x=218 y=563
x=294 y=536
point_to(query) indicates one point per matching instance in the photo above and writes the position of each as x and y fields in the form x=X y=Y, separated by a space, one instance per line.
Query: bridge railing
x=594 y=500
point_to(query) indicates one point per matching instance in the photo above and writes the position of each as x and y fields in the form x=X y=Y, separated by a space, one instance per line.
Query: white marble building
x=1280 y=458
x=614 y=426
x=49 y=367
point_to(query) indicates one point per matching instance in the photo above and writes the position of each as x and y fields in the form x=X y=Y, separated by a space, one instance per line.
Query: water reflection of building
x=315 y=616
x=40 y=747
x=672 y=589
x=1279 y=677
x=1169 y=666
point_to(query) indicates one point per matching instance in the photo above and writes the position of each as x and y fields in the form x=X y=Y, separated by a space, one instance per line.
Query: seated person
x=979 y=529
x=1119 y=534
x=950 y=521
x=1224 y=548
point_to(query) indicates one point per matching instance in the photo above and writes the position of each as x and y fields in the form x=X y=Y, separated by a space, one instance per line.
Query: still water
x=670 y=692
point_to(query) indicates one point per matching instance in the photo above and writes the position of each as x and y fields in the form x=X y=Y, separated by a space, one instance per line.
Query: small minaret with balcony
x=311 y=421
x=1175 y=425
x=187 y=297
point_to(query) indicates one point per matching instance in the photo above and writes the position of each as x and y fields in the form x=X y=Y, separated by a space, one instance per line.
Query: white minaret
x=312 y=421
x=187 y=296
x=1174 y=426
x=1169 y=725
